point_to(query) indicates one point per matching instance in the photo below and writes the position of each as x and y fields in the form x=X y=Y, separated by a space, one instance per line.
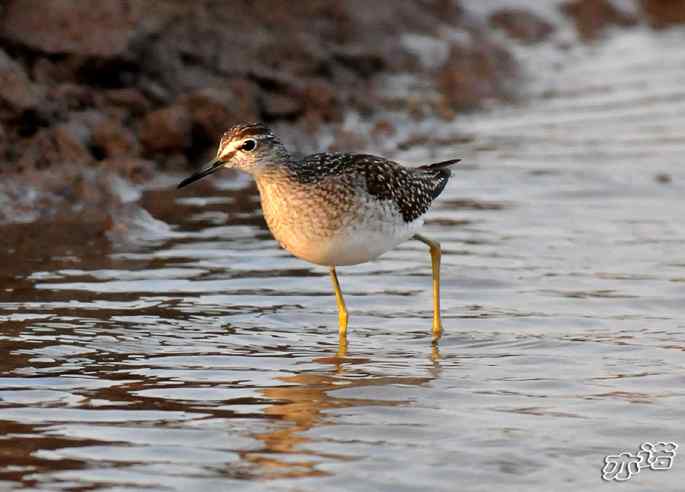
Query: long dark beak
x=209 y=168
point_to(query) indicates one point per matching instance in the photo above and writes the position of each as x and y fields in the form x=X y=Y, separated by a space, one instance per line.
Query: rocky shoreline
x=97 y=91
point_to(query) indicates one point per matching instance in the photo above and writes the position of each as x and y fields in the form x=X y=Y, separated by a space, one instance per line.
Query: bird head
x=247 y=147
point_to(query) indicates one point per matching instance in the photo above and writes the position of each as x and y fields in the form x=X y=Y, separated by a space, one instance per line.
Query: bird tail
x=440 y=165
x=440 y=173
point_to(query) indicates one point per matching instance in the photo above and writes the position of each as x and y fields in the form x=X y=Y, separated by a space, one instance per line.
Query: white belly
x=359 y=244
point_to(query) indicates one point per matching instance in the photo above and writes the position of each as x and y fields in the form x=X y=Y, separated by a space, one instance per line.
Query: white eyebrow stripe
x=227 y=148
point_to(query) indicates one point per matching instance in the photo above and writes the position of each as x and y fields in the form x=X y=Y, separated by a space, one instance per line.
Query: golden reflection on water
x=304 y=404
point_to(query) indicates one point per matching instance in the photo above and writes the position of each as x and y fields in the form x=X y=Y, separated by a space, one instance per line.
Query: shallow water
x=199 y=356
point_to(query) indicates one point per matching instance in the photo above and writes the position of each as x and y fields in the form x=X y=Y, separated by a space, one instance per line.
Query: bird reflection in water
x=306 y=403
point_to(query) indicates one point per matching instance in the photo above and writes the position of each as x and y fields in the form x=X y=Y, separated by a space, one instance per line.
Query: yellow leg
x=342 y=310
x=435 y=263
x=342 y=346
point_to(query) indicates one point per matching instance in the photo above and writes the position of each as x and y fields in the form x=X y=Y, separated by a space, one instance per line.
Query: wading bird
x=335 y=209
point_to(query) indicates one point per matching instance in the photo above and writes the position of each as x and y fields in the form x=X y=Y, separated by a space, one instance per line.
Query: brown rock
x=475 y=73
x=664 y=13
x=53 y=146
x=214 y=110
x=66 y=97
x=81 y=124
x=166 y=129
x=130 y=98
x=320 y=101
x=17 y=90
x=280 y=106
x=50 y=72
x=69 y=146
x=3 y=143
x=133 y=168
x=100 y=28
x=594 y=16
x=65 y=143
x=522 y=25
x=365 y=62
x=114 y=140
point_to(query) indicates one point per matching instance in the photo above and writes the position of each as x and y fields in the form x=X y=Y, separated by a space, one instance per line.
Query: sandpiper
x=335 y=209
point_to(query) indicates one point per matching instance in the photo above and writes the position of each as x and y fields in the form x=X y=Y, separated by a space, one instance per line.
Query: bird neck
x=280 y=195
x=277 y=180
x=276 y=174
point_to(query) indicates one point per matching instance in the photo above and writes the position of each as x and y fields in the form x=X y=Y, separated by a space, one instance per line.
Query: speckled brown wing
x=412 y=189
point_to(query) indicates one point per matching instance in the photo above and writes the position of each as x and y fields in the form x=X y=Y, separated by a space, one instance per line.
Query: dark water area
x=181 y=349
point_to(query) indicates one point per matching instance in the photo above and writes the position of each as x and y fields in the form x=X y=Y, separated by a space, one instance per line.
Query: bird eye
x=249 y=145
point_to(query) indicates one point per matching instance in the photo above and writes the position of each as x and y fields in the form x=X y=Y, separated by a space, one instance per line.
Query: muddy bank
x=96 y=91
x=130 y=88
